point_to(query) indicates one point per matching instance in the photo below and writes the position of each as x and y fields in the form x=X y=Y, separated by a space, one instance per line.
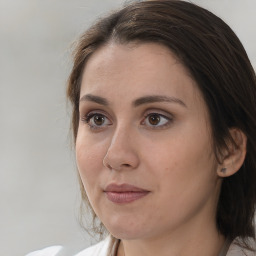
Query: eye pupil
x=98 y=120
x=154 y=119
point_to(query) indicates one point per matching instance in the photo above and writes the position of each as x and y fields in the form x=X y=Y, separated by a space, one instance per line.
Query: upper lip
x=123 y=188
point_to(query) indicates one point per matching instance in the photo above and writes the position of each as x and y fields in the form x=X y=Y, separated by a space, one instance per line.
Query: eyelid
x=86 y=118
x=163 y=114
x=90 y=112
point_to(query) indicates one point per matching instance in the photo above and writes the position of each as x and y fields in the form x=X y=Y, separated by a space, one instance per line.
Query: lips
x=124 y=193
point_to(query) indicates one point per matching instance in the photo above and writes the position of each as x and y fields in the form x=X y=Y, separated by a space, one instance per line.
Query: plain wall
x=39 y=194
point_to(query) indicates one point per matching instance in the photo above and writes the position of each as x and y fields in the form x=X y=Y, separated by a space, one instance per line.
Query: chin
x=125 y=230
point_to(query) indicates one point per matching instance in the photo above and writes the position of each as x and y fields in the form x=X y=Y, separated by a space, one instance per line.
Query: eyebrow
x=94 y=98
x=137 y=102
x=157 y=98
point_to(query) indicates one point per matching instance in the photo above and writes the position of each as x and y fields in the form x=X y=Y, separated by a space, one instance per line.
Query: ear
x=233 y=158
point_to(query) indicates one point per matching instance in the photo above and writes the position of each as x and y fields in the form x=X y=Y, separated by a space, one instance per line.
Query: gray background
x=39 y=194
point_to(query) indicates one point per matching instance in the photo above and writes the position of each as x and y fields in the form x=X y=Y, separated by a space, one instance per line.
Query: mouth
x=124 y=193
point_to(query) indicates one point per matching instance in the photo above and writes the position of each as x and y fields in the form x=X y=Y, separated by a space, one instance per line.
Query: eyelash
x=168 y=120
x=87 y=118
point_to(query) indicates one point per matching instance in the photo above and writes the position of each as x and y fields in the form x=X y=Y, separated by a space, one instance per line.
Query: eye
x=96 y=120
x=156 y=120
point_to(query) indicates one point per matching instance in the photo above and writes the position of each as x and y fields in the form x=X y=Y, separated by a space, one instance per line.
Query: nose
x=121 y=153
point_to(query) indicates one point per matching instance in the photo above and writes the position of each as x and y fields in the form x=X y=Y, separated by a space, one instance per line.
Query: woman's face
x=144 y=149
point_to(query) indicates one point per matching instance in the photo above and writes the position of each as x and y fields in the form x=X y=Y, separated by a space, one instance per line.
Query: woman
x=164 y=122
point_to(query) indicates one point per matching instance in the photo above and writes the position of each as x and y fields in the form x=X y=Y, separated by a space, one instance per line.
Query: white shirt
x=101 y=249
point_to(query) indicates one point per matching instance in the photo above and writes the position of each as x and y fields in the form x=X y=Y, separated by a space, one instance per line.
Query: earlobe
x=235 y=155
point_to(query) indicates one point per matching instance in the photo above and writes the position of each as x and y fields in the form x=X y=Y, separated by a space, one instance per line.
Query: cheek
x=185 y=161
x=179 y=154
x=89 y=161
x=184 y=179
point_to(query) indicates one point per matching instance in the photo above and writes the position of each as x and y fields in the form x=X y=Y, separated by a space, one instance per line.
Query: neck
x=205 y=241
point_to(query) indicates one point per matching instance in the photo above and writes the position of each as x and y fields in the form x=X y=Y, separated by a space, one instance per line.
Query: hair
x=217 y=61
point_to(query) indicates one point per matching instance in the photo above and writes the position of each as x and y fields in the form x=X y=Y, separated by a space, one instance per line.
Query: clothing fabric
x=102 y=249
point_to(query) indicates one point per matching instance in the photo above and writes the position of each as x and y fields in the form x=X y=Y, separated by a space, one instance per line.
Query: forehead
x=137 y=70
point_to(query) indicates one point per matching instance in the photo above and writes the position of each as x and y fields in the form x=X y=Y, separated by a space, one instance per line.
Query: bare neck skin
x=187 y=241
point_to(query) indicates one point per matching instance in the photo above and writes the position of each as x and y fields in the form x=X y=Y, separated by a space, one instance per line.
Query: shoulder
x=236 y=250
x=49 y=251
x=99 y=249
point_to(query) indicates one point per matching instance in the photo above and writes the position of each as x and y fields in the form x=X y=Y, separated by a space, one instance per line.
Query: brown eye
x=98 y=120
x=154 y=119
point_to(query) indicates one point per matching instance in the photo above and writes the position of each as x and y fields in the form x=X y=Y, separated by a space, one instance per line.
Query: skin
x=172 y=159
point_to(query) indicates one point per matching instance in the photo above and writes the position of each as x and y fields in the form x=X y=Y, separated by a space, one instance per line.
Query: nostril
x=109 y=167
x=115 y=168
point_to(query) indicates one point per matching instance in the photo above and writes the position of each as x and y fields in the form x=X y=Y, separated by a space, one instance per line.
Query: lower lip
x=125 y=197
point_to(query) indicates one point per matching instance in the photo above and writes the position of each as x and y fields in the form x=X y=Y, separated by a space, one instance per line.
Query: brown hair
x=217 y=61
